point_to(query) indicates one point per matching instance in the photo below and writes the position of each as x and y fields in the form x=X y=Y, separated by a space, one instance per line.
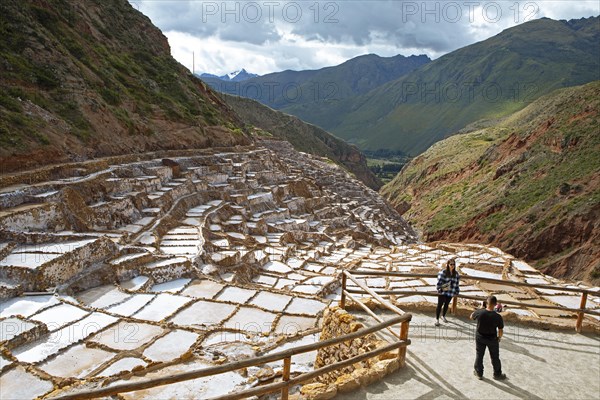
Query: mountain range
x=97 y=80
x=236 y=76
x=510 y=164
x=306 y=93
x=529 y=184
x=408 y=103
x=489 y=79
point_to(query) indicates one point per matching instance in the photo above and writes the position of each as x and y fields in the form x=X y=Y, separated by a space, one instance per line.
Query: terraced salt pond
x=231 y=255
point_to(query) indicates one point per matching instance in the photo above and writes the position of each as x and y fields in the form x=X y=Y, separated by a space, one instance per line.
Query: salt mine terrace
x=113 y=273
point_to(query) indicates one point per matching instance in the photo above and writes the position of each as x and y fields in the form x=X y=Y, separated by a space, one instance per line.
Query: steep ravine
x=529 y=184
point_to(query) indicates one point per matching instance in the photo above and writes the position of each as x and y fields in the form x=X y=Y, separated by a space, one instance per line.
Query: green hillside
x=485 y=80
x=87 y=79
x=303 y=136
x=529 y=184
x=303 y=93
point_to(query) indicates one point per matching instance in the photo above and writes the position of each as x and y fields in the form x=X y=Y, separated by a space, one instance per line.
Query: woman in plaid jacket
x=447 y=287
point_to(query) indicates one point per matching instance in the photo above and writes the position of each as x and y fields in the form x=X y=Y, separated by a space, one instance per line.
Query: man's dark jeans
x=480 y=344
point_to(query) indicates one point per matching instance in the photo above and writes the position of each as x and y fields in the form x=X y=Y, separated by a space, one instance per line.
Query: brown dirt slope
x=81 y=79
x=529 y=184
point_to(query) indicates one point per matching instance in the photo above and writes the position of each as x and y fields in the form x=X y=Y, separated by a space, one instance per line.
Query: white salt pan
x=171 y=286
x=305 y=306
x=131 y=305
x=203 y=289
x=292 y=325
x=165 y=262
x=307 y=289
x=265 y=280
x=20 y=384
x=271 y=301
x=3 y=362
x=56 y=248
x=277 y=266
x=171 y=346
x=236 y=295
x=102 y=296
x=180 y=243
x=135 y=283
x=127 y=335
x=161 y=307
x=53 y=343
x=251 y=320
x=566 y=300
x=127 y=257
x=179 y=250
x=201 y=388
x=523 y=266
x=29 y=260
x=78 y=361
x=203 y=313
x=59 y=316
x=482 y=274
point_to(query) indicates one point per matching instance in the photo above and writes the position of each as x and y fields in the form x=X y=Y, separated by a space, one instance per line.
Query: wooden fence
x=284 y=385
x=377 y=294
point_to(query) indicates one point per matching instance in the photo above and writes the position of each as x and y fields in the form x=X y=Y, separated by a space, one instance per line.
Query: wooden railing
x=403 y=328
x=377 y=294
x=285 y=355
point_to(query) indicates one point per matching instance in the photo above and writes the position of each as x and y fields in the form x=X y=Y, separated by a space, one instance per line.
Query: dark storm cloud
x=271 y=35
x=402 y=23
x=231 y=20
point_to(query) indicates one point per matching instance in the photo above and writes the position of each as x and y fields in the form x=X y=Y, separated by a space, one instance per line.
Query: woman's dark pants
x=443 y=300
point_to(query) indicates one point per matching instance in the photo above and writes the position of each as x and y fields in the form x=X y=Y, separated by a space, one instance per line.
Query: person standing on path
x=490 y=327
x=447 y=286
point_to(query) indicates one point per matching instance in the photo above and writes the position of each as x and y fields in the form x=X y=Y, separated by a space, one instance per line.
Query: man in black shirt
x=487 y=322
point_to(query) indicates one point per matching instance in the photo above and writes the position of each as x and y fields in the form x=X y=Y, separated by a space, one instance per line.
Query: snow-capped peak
x=233 y=74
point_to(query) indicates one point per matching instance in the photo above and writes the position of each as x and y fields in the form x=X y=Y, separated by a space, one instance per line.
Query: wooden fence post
x=454 y=302
x=343 y=299
x=287 y=366
x=579 y=322
x=403 y=336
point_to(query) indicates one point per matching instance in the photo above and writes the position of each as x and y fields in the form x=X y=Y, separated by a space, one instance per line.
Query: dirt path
x=539 y=365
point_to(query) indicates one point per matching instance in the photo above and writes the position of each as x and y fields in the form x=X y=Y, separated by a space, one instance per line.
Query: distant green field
x=386 y=168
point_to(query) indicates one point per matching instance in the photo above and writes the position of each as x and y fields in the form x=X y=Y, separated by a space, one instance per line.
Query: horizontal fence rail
x=284 y=355
x=580 y=311
x=464 y=296
x=273 y=387
x=477 y=278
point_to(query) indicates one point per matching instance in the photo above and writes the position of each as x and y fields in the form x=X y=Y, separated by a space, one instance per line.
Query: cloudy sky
x=272 y=35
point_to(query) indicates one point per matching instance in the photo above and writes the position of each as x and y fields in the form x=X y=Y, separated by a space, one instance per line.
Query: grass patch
x=111 y=97
x=124 y=117
x=9 y=102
